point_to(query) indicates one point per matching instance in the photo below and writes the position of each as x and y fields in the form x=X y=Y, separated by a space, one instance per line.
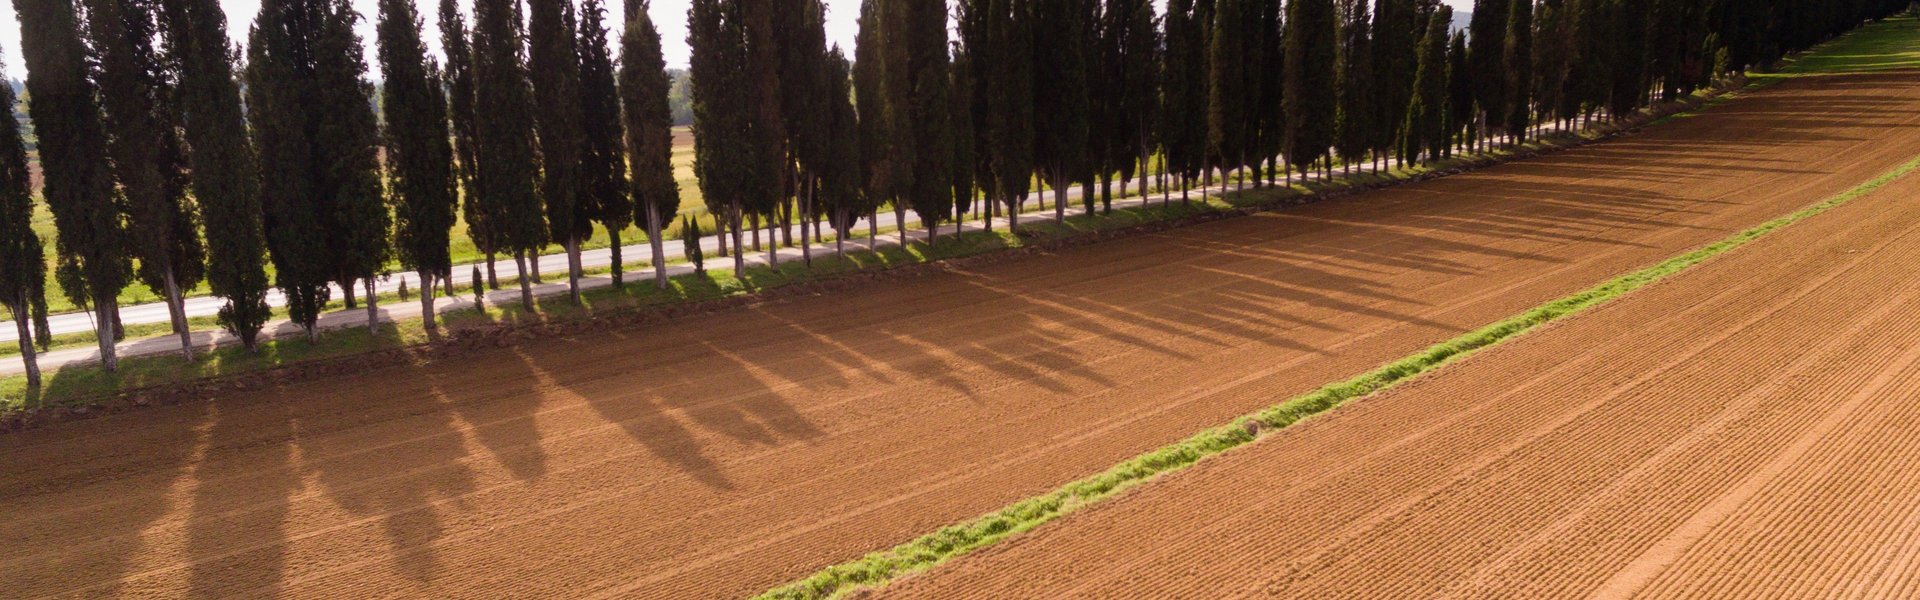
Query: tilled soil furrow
x=1542 y=467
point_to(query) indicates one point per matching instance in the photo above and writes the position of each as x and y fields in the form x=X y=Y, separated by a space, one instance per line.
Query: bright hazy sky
x=669 y=15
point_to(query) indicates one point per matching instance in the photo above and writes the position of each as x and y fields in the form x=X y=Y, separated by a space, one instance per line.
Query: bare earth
x=1741 y=430
x=719 y=456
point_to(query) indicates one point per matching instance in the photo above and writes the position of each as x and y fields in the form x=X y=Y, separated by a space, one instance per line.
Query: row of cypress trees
x=170 y=161
x=155 y=173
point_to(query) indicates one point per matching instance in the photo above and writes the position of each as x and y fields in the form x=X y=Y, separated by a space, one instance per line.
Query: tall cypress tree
x=1183 y=131
x=23 y=269
x=135 y=93
x=928 y=108
x=766 y=133
x=644 y=86
x=1627 y=55
x=224 y=172
x=878 y=141
x=1353 y=124
x=464 y=122
x=722 y=107
x=1312 y=54
x=280 y=101
x=1134 y=23
x=1010 y=103
x=1519 y=70
x=1266 y=87
x=964 y=163
x=348 y=141
x=1487 y=48
x=1460 y=101
x=841 y=194
x=1062 y=103
x=419 y=150
x=1425 y=127
x=1227 y=86
x=1396 y=29
x=803 y=53
x=78 y=183
x=554 y=63
x=603 y=165
x=505 y=157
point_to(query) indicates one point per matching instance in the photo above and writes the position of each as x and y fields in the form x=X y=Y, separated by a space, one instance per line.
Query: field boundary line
x=879 y=568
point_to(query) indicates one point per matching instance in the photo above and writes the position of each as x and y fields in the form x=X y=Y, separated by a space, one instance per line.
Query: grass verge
x=879 y=568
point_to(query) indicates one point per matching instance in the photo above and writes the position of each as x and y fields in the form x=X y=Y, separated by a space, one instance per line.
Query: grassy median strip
x=879 y=568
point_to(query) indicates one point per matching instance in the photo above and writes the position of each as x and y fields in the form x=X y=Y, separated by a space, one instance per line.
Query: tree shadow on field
x=77 y=498
x=393 y=468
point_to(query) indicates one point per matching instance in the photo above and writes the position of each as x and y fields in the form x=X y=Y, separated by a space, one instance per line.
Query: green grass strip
x=879 y=568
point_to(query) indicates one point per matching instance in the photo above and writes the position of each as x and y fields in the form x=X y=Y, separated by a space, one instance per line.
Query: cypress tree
x=419 y=151
x=224 y=171
x=1062 y=101
x=1487 y=49
x=1184 y=132
x=604 y=189
x=928 y=113
x=840 y=175
x=78 y=183
x=1266 y=88
x=1132 y=25
x=1627 y=56
x=766 y=133
x=973 y=24
x=1353 y=122
x=804 y=110
x=722 y=107
x=1227 y=86
x=1551 y=49
x=23 y=269
x=148 y=160
x=960 y=113
x=644 y=86
x=1460 y=100
x=459 y=84
x=1010 y=104
x=505 y=157
x=1396 y=29
x=553 y=61
x=878 y=140
x=348 y=142
x=1426 y=118
x=280 y=99
x=1518 y=62
x=1312 y=48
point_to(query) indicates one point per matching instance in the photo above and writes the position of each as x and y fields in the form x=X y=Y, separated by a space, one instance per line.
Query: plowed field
x=721 y=455
x=1750 y=428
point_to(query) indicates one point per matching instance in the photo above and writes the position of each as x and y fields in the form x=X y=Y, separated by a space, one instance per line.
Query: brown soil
x=1741 y=430
x=722 y=454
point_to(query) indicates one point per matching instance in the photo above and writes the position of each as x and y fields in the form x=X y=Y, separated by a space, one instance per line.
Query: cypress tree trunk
x=753 y=222
x=1106 y=193
x=1060 y=197
x=426 y=303
x=346 y=290
x=873 y=228
x=532 y=269
x=739 y=261
x=806 y=215
x=573 y=269
x=27 y=356
x=373 y=310
x=613 y=237
x=653 y=240
x=177 y=310
x=526 y=286
x=493 y=279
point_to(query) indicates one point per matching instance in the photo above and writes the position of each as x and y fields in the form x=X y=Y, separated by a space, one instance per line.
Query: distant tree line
x=172 y=158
